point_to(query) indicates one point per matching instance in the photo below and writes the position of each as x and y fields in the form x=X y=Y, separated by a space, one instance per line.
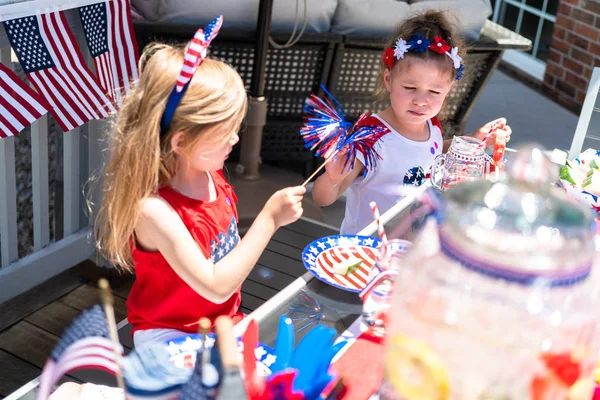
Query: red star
x=596 y=208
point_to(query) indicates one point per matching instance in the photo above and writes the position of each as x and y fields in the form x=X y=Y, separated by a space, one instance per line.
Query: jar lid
x=522 y=227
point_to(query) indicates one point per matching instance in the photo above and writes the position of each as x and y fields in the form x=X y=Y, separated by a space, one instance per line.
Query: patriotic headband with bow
x=418 y=44
x=194 y=55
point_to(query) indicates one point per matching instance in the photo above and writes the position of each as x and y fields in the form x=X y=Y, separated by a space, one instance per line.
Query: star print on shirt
x=225 y=243
x=415 y=176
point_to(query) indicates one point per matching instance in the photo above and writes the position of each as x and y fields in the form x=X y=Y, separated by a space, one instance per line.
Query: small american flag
x=47 y=51
x=108 y=31
x=84 y=344
x=19 y=104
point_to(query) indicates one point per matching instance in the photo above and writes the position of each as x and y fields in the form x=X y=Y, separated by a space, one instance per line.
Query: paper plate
x=323 y=254
x=183 y=352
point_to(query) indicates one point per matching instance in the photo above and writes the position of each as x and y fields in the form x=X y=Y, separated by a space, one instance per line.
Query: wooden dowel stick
x=203 y=329
x=107 y=301
x=320 y=168
x=227 y=342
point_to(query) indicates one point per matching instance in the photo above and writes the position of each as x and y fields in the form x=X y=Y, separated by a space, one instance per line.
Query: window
x=533 y=19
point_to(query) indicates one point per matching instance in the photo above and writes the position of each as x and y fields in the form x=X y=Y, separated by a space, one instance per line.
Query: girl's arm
x=159 y=227
x=499 y=126
x=446 y=145
x=329 y=186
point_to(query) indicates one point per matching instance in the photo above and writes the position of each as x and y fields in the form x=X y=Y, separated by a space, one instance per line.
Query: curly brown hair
x=429 y=25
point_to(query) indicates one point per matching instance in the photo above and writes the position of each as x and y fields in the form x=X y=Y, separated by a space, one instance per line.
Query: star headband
x=194 y=55
x=418 y=44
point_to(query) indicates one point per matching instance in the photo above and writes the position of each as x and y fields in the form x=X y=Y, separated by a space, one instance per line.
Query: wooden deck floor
x=31 y=324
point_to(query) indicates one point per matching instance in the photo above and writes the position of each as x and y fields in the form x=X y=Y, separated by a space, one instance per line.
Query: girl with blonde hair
x=167 y=211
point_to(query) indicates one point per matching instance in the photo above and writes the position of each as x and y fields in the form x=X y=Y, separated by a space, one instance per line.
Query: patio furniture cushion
x=239 y=13
x=380 y=17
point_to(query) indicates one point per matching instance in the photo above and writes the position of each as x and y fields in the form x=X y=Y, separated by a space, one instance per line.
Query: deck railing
x=61 y=239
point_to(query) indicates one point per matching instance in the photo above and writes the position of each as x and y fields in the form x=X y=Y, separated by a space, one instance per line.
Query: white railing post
x=96 y=159
x=71 y=175
x=48 y=259
x=39 y=168
x=8 y=190
x=583 y=123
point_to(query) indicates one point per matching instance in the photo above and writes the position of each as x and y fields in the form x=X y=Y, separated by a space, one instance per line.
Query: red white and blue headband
x=419 y=44
x=194 y=55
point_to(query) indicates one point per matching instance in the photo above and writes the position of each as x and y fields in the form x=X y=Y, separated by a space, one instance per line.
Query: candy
x=415 y=370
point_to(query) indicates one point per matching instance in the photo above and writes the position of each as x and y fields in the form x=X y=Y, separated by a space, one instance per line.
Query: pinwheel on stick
x=326 y=131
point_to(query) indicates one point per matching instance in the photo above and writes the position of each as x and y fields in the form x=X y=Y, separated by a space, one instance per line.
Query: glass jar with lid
x=499 y=297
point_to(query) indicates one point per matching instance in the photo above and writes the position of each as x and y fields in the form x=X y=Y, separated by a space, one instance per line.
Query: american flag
x=19 y=104
x=84 y=344
x=109 y=34
x=48 y=53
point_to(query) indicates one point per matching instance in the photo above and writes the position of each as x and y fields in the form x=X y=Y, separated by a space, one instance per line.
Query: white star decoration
x=173 y=349
x=259 y=352
x=190 y=344
x=225 y=243
x=269 y=360
x=344 y=241
x=210 y=342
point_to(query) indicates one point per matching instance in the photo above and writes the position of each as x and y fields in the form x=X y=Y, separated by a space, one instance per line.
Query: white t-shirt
x=403 y=162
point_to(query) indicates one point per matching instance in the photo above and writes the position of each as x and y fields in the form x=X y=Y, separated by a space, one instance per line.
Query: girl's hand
x=335 y=168
x=497 y=128
x=285 y=205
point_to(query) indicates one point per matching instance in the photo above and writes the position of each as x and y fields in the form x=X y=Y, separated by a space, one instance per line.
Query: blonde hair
x=213 y=107
x=429 y=24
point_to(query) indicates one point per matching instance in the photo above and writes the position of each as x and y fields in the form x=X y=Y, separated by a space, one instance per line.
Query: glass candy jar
x=377 y=294
x=498 y=298
x=464 y=161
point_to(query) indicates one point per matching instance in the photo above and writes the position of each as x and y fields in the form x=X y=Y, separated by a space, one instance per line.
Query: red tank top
x=159 y=298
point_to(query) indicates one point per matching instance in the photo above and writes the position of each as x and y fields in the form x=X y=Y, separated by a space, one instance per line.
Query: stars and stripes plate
x=323 y=254
x=183 y=352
